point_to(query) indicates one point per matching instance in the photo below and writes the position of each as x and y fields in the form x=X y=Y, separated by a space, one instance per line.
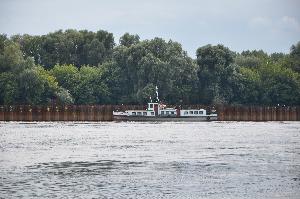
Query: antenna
x=156 y=88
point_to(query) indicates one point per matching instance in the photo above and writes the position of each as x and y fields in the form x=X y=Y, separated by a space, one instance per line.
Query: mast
x=156 y=88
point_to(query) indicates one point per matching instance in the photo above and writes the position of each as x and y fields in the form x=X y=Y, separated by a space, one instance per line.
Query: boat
x=157 y=111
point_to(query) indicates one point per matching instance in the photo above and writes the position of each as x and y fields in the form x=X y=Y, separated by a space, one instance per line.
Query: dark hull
x=165 y=119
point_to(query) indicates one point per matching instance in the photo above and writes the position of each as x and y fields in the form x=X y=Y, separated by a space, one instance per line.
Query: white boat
x=157 y=111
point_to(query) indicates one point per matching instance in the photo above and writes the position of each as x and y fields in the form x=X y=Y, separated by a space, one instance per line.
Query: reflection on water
x=150 y=160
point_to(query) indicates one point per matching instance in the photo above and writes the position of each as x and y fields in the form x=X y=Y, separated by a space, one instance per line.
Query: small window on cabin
x=151 y=105
x=185 y=112
x=139 y=113
x=196 y=112
x=152 y=113
x=191 y=112
x=133 y=113
x=172 y=112
x=144 y=113
x=200 y=112
x=162 y=112
x=167 y=112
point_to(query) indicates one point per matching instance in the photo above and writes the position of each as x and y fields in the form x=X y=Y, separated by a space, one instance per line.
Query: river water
x=150 y=160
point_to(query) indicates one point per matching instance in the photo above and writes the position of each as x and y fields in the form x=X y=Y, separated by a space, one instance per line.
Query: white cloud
x=258 y=22
x=280 y=25
x=289 y=23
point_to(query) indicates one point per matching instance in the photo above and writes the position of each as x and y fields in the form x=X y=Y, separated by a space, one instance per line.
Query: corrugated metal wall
x=56 y=113
x=104 y=113
x=258 y=113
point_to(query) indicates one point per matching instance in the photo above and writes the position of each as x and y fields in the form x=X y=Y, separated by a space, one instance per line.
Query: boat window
x=167 y=112
x=185 y=112
x=152 y=113
x=191 y=112
x=195 y=112
x=172 y=112
x=144 y=113
x=139 y=113
x=162 y=112
x=200 y=112
x=133 y=113
x=151 y=105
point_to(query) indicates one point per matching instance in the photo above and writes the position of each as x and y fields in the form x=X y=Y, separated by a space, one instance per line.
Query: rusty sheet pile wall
x=104 y=113
x=258 y=113
x=56 y=113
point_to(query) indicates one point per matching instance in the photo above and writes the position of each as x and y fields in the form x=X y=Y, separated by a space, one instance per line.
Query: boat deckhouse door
x=178 y=112
x=156 y=109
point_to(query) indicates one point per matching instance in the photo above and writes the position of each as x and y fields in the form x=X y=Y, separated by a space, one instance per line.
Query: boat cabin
x=168 y=112
x=140 y=113
x=192 y=112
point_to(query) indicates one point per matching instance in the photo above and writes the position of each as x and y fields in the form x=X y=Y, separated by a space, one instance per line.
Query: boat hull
x=164 y=119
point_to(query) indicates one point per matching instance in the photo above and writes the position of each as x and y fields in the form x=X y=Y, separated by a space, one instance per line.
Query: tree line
x=85 y=67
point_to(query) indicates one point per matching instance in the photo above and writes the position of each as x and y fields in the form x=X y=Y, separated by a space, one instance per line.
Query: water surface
x=150 y=160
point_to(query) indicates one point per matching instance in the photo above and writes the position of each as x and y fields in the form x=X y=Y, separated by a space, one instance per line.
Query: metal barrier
x=104 y=112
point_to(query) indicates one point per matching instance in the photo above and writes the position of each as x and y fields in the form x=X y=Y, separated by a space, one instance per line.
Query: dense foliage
x=84 y=67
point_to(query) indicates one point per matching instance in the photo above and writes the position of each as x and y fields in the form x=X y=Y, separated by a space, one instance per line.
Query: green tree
x=3 y=39
x=11 y=58
x=67 y=77
x=67 y=47
x=49 y=82
x=31 y=87
x=95 y=52
x=91 y=88
x=294 y=57
x=128 y=40
x=30 y=46
x=85 y=67
x=8 y=88
x=64 y=97
x=37 y=86
x=280 y=85
x=155 y=62
x=215 y=71
x=111 y=75
x=144 y=94
x=247 y=86
x=248 y=61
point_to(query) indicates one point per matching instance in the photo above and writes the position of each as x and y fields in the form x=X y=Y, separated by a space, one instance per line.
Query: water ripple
x=150 y=160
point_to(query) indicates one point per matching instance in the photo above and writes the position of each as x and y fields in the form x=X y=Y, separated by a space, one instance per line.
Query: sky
x=270 y=25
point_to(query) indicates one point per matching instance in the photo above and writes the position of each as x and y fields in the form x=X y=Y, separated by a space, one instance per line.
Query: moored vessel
x=157 y=111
